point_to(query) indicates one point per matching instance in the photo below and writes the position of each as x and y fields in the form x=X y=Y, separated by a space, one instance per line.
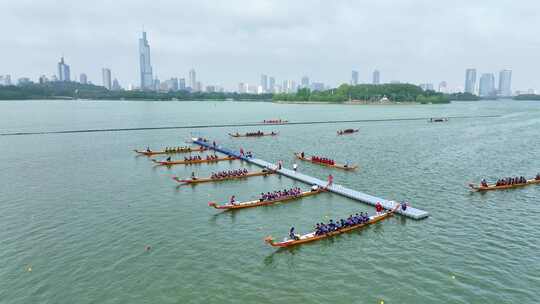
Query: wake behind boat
x=323 y=231
x=324 y=161
x=505 y=183
x=268 y=199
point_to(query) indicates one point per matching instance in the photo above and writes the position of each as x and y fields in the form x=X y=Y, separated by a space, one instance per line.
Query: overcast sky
x=230 y=41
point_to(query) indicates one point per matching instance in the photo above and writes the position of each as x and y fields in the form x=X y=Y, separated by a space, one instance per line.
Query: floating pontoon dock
x=414 y=213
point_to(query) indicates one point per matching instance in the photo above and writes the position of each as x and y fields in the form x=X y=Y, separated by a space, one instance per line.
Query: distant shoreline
x=351 y=103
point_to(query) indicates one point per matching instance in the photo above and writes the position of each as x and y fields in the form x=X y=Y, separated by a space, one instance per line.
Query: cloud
x=232 y=41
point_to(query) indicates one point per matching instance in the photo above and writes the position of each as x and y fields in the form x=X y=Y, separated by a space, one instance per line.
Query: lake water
x=77 y=210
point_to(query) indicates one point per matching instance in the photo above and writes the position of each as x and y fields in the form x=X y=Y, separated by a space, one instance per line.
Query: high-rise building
x=487 y=85
x=443 y=87
x=426 y=86
x=242 y=87
x=23 y=81
x=317 y=86
x=271 y=84
x=470 y=81
x=182 y=84
x=292 y=86
x=354 y=78
x=63 y=71
x=192 y=79
x=376 y=77
x=106 y=76
x=83 y=79
x=42 y=79
x=264 y=83
x=172 y=84
x=304 y=82
x=285 y=86
x=116 y=85
x=198 y=86
x=505 y=83
x=252 y=89
x=147 y=82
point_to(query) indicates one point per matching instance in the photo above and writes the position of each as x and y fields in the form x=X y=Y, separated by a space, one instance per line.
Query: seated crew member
x=484 y=183
x=168 y=159
x=193 y=177
x=148 y=149
x=537 y=176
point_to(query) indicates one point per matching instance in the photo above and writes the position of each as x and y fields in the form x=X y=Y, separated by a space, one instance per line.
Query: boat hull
x=210 y=180
x=311 y=237
x=192 y=162
x=251 y=204
x=337 y=166
x=146 y=153
x=245 y=135
x=494 y=187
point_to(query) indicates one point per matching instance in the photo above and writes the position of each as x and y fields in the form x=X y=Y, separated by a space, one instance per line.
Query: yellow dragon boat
x=258 y=203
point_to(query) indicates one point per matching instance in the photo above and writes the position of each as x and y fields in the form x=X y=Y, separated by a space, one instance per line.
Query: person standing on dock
x=378 y=208
x=279 y=164
x=241 y=151
x=404 y=205
x=295 y=167
x=330 y=180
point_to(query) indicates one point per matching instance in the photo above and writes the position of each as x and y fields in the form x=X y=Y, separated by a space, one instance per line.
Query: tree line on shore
x=74 y=90
x=392 y=92
x=368 y=93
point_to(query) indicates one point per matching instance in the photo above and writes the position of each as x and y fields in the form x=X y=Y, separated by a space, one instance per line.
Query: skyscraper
x=172 y=84
x=354 y=78
x=487 y=85
x=443 y=87
x=264 y=83
x=376 y=77
x=271 y=84
x=192 y=79
x=147 y=82
x=116 y=85
x=63 y=71
x=242 y=87
x=470 y=81
x=505 y=83
x=106 y=73
x=304 y=83
x=182 y=84
x=198 y=86
x=83 y=79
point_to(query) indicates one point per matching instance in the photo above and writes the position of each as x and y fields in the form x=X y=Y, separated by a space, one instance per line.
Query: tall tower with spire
x=147 y=81
x=63 y=71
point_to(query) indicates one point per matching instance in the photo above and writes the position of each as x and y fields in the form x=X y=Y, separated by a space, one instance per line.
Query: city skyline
x=249 y=38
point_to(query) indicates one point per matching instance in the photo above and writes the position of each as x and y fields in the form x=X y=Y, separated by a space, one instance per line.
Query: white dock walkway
x=414 y=213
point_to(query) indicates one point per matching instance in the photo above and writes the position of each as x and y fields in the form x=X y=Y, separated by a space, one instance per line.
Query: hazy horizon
x=236 y=41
